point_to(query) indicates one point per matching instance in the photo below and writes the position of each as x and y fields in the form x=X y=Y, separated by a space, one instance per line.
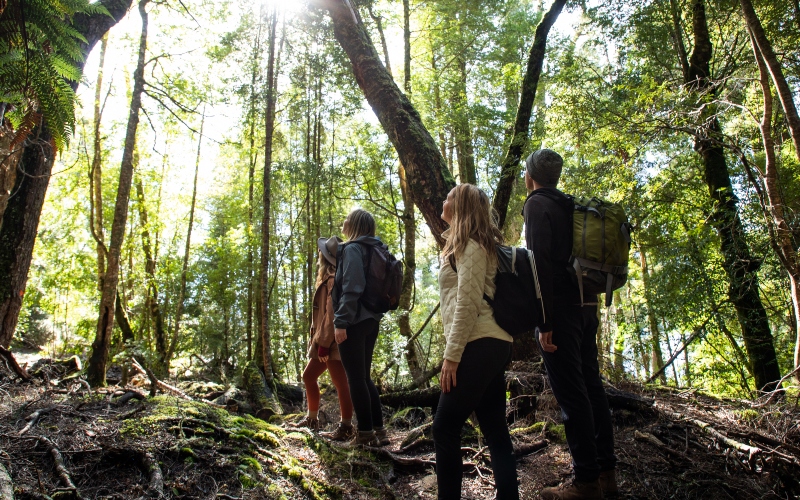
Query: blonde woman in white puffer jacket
x=477 y=350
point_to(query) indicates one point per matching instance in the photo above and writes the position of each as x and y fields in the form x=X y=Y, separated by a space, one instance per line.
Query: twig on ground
x=33 y=418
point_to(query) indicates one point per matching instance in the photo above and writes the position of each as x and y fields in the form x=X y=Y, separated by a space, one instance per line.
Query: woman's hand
x=323 y=359
x=447 y=379
x=340 y=334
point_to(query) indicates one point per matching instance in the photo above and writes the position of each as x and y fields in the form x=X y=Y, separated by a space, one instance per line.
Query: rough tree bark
x=98 y=362
x=519 y=141
x=739 y=264
x=426 y=170
x=18 y=235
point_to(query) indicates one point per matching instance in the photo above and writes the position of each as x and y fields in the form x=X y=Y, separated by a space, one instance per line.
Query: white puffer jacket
x=466 y=316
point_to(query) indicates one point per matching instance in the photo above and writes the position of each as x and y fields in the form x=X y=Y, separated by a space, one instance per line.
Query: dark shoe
x=382 y=436
x=574 y=490
x=608 y=482
x=311 y=423
x=343 y=432
x=364 y=438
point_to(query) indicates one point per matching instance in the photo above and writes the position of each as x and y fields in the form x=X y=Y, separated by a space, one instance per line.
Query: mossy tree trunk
x=739 y=264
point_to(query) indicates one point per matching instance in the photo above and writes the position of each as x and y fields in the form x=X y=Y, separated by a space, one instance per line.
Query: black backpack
x=517 y=302
x=383 y=274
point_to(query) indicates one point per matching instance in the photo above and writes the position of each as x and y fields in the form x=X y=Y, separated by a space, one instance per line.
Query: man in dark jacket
x=568 y=334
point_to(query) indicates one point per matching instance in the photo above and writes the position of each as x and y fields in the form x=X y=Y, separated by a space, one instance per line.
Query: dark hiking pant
x=574 y=376
x=480 y=387
x=356 y=353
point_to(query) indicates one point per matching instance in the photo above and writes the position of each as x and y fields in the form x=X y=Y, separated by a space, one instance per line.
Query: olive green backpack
x=600 y=245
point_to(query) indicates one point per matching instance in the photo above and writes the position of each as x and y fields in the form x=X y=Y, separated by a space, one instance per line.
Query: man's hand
x=340 y=334
x=447 y=379
x=546 y=341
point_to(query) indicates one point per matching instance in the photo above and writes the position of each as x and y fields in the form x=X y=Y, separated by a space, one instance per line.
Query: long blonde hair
x=472 y=217
x=324 y=269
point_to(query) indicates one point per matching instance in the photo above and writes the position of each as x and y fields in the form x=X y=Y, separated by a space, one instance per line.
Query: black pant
x=356 y=353
x=575 y=378
x=480 y=387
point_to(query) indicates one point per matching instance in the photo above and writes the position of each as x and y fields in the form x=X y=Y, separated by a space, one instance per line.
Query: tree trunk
x=760 y=40
x=264 y=350
x=657 y=358
x=461 y=126
x=251 y=173
x=161 y=365
x=428 y=177
x=510 y=169
x=740 y=266
x=781 y=232
x=173 y=345
x=98 y=362
x=18 y=235
x=96 y=174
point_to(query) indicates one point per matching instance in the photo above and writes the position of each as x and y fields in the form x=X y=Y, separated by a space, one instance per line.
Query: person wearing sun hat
x=323 y=352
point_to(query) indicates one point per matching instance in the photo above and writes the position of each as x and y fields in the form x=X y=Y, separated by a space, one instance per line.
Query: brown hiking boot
x=382 y=436
x=574 y=490
x=343 y=432
x=608 y=482
x=364 y=438
x=311 y=423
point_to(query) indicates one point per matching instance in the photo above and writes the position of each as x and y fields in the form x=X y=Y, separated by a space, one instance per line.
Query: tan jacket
x=322 y=321
x=466 y=316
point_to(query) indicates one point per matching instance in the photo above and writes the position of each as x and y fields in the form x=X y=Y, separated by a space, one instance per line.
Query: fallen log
x=528 y=448
x=419 y=397
x=629 y=401
x=128 y=396
x=751 y=451
x=160 y=383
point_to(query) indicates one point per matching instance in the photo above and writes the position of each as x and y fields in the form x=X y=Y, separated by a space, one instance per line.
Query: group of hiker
x=349 y=304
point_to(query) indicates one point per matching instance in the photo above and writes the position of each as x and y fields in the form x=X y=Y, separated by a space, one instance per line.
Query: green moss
x=553 y=432
x=252 y=463
x=747 y=415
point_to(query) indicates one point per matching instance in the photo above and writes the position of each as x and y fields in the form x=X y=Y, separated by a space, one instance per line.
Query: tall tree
x=98 y=362
x=739 y=264
x=519 y=140
x=21 y=219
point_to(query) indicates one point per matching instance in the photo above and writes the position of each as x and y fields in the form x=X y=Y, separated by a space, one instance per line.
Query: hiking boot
x=574 y=490
x=608 y=482
x=343 y=432
x=364 y=438
x=382 y=436
x=310 y=423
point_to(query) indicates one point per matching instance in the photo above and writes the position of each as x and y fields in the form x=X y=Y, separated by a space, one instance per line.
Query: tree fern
x=40 y=53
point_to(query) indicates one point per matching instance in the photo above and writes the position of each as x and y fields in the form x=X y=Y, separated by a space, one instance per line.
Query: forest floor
x=58 y=439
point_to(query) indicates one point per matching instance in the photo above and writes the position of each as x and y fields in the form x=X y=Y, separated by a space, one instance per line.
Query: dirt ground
x=686 y=445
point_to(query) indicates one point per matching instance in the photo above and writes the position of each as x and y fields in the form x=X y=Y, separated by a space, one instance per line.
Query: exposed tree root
x=63 y=473
x=33 y=418
x=12 y=362
x=528 y=448
x=150 y=465
x=128 y=396
x=155 y=382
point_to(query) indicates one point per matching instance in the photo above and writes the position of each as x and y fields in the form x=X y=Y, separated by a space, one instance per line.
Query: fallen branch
x=14 y=365
x=732 y=443
x=649 y=438
x=528 y=448
x=63 y=473
x=158 y=383
x=33 y=418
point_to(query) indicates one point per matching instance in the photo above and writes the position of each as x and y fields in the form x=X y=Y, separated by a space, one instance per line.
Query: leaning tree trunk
x=739 y=264
x=426 y=170
x=519 y=141
x=98 y=362
x=18 y=235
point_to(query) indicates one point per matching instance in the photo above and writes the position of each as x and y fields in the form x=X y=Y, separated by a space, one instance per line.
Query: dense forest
x=167 y=167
